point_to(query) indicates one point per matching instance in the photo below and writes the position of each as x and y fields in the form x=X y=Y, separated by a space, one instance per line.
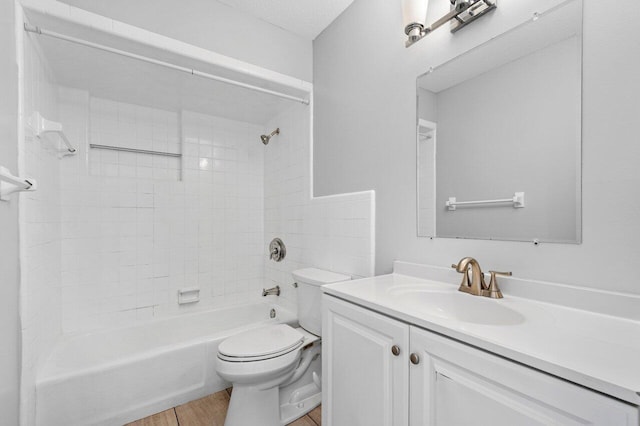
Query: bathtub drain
x=272 y=313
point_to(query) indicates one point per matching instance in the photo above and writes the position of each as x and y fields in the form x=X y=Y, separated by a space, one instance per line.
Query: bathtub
x=117 y=376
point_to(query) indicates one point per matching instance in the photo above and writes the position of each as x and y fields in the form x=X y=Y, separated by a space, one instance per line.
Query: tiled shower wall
x=136 y=229
x=40 y=232
x=335 y=233
x=129 y=242
x=121 y=124
x=130 y=230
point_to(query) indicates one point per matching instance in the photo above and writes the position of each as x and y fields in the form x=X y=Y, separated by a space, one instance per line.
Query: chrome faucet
x=271 y=291
x=476 y=285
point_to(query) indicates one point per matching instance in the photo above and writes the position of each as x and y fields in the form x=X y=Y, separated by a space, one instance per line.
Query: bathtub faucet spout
x=269 y=291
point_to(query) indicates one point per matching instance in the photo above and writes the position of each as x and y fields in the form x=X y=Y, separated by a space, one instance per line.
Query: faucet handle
x=494 y=291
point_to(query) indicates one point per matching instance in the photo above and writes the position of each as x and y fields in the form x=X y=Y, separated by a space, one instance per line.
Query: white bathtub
x=120 y=375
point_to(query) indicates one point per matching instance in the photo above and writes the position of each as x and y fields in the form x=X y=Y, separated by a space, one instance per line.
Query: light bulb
x=414 y=14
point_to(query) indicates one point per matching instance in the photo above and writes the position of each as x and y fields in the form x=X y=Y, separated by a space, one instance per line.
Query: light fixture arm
x=463 y=12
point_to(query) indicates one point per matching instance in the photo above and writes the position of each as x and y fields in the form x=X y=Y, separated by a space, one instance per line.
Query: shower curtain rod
x=38 y=30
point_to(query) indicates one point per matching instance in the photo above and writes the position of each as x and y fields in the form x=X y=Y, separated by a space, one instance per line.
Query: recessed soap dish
x=188 y=295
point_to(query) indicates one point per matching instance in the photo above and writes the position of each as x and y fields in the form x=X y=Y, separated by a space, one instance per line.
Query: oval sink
x=458 y=306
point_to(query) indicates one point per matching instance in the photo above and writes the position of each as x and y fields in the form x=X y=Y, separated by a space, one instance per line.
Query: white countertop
x=595 y=350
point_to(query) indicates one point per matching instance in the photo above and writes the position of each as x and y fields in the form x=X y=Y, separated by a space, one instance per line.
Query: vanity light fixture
x=414 y=15
x=463 y=12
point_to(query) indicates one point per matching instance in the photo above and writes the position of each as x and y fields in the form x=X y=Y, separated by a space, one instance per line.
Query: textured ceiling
x=307 y=18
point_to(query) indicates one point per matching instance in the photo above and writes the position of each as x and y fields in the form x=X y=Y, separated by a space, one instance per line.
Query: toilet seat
x=261 y=344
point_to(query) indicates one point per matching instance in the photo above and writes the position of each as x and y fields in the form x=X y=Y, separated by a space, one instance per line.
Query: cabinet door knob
x=414 y=358
x=395 y=349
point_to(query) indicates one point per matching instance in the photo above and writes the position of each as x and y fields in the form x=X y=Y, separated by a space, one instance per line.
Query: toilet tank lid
x=318 y=276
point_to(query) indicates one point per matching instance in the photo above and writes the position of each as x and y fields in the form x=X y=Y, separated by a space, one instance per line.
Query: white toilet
x=275 y=370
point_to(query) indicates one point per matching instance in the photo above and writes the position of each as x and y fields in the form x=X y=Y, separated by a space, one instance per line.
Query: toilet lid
x=262 y=342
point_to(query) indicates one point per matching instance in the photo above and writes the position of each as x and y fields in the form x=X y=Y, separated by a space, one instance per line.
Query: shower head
x=265 y=138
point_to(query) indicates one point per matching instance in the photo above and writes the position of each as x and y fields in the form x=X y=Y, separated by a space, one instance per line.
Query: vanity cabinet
x=363 y=382
x=434 y=380
x=457 y=384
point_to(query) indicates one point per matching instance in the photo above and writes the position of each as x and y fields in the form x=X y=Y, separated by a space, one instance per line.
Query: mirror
x=499 y=136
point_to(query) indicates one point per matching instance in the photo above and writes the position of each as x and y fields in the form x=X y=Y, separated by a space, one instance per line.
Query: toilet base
x=257 y=407
x=292 y=411
x=302 y=396
x=252 y=406
x=276 y=406
x=283 y=398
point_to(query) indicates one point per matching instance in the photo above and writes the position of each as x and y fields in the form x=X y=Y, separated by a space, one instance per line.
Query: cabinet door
x=363 y=382
x=457 y=384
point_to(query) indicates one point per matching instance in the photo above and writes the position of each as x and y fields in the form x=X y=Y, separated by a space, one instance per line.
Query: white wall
x=333 y=233
x=216 y=27
x=365 y=137
x=9 y=267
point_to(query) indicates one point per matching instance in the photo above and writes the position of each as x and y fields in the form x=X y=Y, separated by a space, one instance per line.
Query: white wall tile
x=333 y=233
x=135 y=233
x=40 y=238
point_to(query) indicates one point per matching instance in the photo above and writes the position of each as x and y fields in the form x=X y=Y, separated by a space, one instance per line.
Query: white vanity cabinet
x=363 y=382
x=435 y=380
x=457 y=384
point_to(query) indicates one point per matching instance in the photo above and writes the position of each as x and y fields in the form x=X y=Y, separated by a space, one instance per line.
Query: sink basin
x=454 y=305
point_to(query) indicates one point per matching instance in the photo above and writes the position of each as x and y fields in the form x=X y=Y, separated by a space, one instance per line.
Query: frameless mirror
x=499 y=136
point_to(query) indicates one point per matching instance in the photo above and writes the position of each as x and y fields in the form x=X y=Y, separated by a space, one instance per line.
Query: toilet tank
x=310 y=296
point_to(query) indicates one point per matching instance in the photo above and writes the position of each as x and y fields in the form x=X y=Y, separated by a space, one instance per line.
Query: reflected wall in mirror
x=501 y=119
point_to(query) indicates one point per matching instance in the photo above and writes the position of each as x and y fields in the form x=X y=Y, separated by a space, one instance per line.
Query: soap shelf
x=41 y=125
x=188 y=295
x=10 y=184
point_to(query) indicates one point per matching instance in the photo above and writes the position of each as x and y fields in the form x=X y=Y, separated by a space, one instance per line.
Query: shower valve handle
x=277 y=250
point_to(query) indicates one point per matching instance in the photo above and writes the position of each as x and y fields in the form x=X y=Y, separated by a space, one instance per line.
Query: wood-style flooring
x=209 y=411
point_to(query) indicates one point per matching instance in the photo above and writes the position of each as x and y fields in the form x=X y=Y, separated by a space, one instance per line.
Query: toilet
x=276 y=370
